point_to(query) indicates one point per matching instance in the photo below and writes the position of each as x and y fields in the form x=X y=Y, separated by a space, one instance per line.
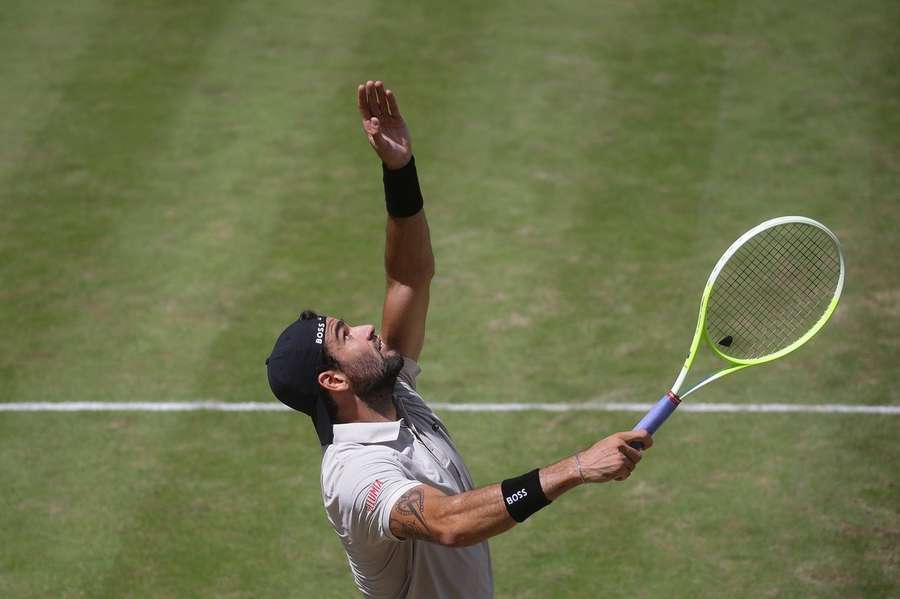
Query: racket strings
x=770 y=262
x=794 y=297
x=773 y=290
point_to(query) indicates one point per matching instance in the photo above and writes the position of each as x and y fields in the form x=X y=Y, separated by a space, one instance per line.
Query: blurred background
x=179 y=179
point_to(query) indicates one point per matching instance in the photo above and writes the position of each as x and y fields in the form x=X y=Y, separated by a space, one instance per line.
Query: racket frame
x=738 y=363
x=667 y=404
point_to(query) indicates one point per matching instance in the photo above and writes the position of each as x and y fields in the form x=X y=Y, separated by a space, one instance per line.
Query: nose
x=366 y=331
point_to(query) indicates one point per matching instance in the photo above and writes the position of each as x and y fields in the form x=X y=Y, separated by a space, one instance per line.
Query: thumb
x=641 y=436
x=373 y=127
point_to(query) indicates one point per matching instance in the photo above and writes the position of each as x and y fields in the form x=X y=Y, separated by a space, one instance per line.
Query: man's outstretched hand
x=383 y=124
x=613 y=458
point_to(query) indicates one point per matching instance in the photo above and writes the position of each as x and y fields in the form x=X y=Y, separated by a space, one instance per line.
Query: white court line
x=161 y=406
x=589 y=406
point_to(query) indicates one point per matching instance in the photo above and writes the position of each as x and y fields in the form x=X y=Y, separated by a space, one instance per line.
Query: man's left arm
x=408 y=257
x=409 y=267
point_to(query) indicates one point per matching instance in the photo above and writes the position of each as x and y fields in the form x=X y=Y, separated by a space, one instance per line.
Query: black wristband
x=402 y=195
x=523 y=495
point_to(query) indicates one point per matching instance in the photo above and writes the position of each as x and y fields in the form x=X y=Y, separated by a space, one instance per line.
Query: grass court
x=178 y=180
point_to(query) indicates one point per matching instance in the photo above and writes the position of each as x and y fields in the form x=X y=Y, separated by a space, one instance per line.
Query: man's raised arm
x=408 y=259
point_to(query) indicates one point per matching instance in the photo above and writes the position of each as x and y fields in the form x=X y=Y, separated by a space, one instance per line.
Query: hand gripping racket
x=769 y=293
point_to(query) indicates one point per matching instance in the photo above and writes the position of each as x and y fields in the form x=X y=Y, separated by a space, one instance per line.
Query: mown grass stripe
x=586 y=406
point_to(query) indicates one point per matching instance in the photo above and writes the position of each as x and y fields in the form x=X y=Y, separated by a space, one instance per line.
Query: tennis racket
x=769 y=293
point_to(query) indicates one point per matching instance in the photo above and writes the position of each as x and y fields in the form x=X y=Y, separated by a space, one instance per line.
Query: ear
x=334 y=380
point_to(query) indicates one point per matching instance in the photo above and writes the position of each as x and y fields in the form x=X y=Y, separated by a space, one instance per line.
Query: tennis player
x=396 y=490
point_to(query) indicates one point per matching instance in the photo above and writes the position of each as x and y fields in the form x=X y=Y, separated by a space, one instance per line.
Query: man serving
x=396 y=490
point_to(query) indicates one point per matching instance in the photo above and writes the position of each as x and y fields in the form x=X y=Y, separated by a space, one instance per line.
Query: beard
x=372 y=378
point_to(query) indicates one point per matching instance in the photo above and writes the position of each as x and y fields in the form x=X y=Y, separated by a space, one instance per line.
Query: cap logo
x=320 y=331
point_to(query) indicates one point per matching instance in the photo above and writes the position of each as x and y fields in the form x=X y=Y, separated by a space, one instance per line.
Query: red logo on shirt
x=374 y=490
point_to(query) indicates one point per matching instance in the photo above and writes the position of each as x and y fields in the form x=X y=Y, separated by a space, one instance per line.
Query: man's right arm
x=426 y=513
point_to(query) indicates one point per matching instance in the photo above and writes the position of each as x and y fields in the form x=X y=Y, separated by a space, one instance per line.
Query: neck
x=375 y=408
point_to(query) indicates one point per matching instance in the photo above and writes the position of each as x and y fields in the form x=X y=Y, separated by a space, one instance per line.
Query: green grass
x=178 y=180
x=174 y=505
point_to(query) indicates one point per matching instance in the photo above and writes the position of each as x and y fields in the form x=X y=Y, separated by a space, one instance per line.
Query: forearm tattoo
x=412 y=506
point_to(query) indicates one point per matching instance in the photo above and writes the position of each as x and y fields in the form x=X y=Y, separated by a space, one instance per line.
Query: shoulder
x=345 y=465
x=360 y=484
x=409 y=373
x=405 y=391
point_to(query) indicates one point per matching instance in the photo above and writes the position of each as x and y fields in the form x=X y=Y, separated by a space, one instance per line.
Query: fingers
x=613 y=458
x=392 y=103
x=369 y=110
x=367 y=100
x=373 y=100
x=363 y=103
x=630 y=453
x=625 y=471
x=641 y=436
x=382 y=109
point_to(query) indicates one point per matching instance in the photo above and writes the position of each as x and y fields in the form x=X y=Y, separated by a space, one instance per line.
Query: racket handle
x=657 y=415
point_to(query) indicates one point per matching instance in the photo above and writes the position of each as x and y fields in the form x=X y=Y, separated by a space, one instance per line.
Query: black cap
x=293 y=369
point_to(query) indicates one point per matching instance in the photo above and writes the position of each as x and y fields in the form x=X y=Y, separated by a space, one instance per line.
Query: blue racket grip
x=657 y=415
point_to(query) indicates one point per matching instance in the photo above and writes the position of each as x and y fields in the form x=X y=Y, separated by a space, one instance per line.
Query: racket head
x=772 y=290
